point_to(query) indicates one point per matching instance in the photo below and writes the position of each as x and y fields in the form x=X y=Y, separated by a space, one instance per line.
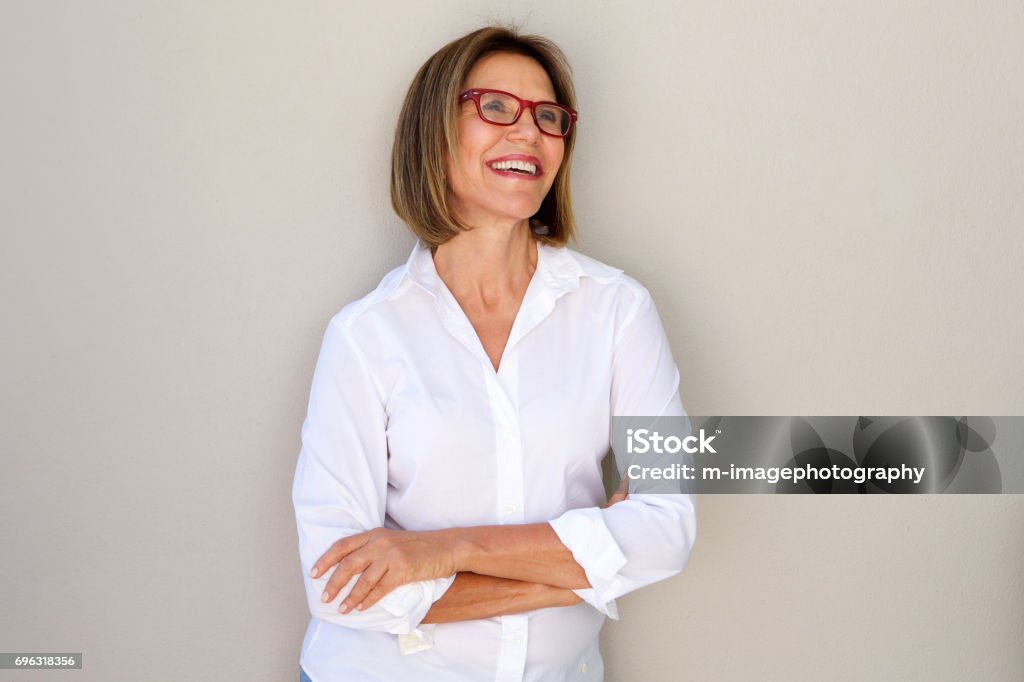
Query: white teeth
x=526 y=166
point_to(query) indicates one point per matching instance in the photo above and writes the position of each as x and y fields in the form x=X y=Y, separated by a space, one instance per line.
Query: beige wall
x=824 y=198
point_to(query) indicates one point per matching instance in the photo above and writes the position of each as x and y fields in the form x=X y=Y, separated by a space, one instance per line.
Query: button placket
x=514 y=639
x=503 y=387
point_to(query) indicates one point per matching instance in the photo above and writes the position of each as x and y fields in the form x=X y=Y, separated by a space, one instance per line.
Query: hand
x=548 y=595
x=387 y=559
x=567 y=597
x=619 y=495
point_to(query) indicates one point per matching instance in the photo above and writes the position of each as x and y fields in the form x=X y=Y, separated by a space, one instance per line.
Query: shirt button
x=510 y=509
x=508 y=434
x=583 y=667
x=517 y=639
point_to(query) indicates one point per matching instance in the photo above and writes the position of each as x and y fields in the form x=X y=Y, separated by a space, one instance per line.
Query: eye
x=498 y=107
x=549 y=115
x=494 y=106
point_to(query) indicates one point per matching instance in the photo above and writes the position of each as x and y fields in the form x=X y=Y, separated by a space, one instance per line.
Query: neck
x=487 y=265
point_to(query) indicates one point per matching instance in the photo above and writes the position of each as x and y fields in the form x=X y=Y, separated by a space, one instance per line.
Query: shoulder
x=593 y=269
x=606 y=283
x=366 y=310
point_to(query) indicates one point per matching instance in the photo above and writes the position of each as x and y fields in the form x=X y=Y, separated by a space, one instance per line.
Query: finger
x=620 y=494
x=377 y=593
x=367 y=581
x=342 y=575
x=336 y=552
x=616 y=498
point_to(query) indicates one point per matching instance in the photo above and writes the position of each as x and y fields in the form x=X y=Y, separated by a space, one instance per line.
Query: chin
x=514 y=209
x=524 y=210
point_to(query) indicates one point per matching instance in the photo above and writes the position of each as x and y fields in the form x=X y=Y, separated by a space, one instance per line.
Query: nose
x=525 y=128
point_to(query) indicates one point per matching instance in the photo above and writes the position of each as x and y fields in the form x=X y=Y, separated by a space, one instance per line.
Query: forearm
x=473 y=596
x=530 y=552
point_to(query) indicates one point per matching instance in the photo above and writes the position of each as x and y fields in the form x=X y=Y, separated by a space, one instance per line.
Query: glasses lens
x=498 y=108
x=553 y=120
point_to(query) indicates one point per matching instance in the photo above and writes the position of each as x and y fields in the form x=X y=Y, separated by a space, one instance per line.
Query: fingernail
x=325 y=597
x=360 y=607
x=312 y=572
x=344 y=608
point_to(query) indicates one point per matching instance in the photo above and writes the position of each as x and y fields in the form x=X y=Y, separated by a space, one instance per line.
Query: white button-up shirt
x=409 y=426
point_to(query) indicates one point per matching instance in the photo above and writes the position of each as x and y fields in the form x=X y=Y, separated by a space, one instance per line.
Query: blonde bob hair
x=426 y=136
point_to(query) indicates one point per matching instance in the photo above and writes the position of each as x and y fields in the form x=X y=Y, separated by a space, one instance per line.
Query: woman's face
x=479 y=194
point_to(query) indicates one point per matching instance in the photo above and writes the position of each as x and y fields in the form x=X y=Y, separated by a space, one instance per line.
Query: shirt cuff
x=410 y=604
x=585 y=534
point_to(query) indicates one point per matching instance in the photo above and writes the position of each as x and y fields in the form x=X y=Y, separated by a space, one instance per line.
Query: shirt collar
x=557 y=269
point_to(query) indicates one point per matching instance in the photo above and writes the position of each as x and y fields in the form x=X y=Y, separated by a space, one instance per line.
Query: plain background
x=825 y=200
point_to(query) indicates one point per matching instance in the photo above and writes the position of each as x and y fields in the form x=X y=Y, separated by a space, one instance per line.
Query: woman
x=449 y=491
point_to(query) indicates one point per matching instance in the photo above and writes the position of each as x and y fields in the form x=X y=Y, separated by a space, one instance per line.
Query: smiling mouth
x=524 y=168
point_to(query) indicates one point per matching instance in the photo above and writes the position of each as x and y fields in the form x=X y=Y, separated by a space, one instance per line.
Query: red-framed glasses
x=503 y=109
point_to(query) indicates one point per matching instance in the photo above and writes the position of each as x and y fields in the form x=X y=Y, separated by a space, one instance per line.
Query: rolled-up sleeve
x=647 y=537
x=340 y=486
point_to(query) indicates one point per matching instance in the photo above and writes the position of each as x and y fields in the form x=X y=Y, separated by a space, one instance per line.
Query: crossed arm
x=499 y=570
x=474 y=596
